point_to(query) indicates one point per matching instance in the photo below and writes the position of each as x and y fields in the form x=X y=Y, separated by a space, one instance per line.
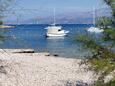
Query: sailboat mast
x=18 y=19
x=54 y=17
x=94 y=16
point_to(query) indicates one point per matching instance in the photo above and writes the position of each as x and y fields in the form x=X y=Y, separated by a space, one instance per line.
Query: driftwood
x=17 y=50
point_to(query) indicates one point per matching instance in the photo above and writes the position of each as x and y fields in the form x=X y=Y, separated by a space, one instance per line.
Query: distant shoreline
x=6 y=26
x=47 y=24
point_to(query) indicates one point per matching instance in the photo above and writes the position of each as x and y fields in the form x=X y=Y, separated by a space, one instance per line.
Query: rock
x=47 y=54
x=81 y=83
x=2 y=70
x=69 y=83
x=55 y=55
x=109 y=77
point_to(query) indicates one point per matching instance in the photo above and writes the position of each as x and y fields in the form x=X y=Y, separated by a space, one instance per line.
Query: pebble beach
x=40 y=69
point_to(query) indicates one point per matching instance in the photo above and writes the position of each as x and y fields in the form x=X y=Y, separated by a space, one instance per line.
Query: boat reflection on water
x=55 y=38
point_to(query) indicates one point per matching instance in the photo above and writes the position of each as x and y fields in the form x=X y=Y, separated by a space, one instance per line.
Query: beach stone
x=109 y=77
x=69 y=83
x=56 y=55
x=2 y=70
x=47 y=54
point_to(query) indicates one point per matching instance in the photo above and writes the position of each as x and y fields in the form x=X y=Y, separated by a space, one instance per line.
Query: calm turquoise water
x=33 y=36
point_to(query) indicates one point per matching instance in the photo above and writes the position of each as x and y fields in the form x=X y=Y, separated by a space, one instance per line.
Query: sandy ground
x=40 y=70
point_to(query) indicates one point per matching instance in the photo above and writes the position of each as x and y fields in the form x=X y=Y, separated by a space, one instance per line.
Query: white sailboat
x=55 y=31
x=94 y=29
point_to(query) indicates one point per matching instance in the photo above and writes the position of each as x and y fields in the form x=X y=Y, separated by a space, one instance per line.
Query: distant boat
x=55 y=31
x=94 y=29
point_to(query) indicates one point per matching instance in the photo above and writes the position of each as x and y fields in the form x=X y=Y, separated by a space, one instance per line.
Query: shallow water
x=33 y=36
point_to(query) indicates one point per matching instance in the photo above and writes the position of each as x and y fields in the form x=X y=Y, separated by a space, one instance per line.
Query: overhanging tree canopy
x=111 y=4
x=4 y=4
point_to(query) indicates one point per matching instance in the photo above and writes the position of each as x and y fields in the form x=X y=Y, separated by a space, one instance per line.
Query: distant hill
x=70 y=17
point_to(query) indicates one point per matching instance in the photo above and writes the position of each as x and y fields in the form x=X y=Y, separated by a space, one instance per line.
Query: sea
x=33 y=36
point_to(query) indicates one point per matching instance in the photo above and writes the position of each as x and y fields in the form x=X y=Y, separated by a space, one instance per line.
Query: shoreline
x=6 y=26
x=38 y=69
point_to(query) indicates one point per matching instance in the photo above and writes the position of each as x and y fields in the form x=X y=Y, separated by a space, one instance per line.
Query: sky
x=45 y=7
x=61 y=3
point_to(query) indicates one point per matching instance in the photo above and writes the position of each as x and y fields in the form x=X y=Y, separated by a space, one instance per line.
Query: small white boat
x=95 y=30
x=55 y=31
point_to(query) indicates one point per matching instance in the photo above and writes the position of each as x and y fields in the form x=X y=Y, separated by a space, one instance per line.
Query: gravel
x=37 y=69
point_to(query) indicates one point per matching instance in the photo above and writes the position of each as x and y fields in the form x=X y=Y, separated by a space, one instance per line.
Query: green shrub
x=109 y=34
x=99 y=51
x=1 y=22
x=111 y=83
